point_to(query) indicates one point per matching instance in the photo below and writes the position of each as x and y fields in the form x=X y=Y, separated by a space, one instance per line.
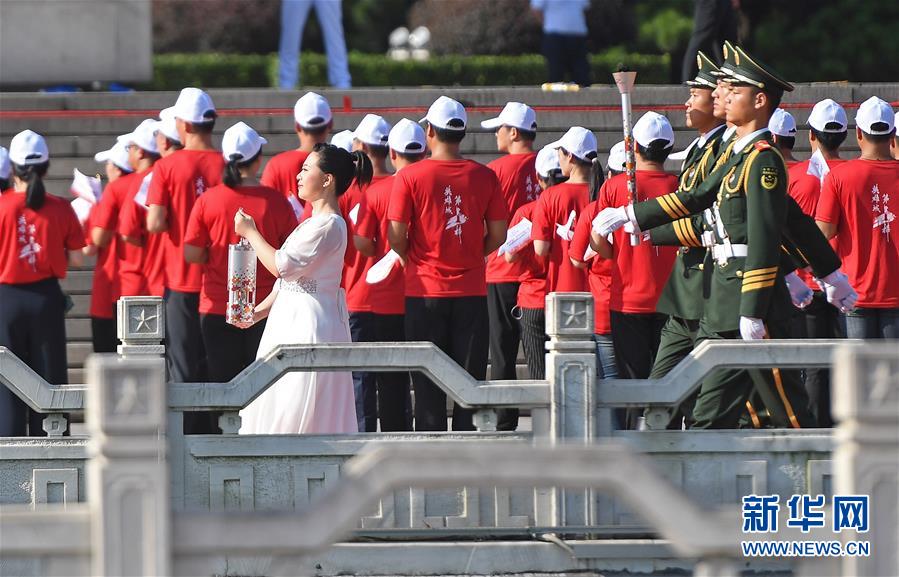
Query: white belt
x=721 y=253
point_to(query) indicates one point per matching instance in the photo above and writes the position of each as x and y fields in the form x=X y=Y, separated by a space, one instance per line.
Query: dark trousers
x=459 y=327
x=871 y=323
x=566 y=53
x=394 y=389
x=636 y=338
x=714 y=21
x=32 y=327
x=505 y=338
x=185 y=355
x=820 y=320
x=103 y=335
x=676 y=341
x=723 y=395
x=533 y=341
x=365 y=388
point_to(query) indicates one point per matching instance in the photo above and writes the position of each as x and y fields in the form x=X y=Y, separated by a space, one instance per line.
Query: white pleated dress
x=310 y=308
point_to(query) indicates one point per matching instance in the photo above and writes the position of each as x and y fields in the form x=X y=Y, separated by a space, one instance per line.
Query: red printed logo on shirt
x=882 y=215
x=452 y=207
x=29 y=246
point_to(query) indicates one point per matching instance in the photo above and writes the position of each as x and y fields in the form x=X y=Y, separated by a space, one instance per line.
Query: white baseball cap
x=144 y=136
x=547 y=161
x=447 y=113
x=312 y=111
x=344 y=140
x=782 y=123
x=194 y=106
x=578 y=141
x=118 y=155
x=407 y=137
x=875 y=111
x=516 y=115
x=28 y=147
x=653 y=126
x=240 y=142
x=618 y=157
x=826 y=112
x=167 y=124
x=372 y=130
x=5 y=166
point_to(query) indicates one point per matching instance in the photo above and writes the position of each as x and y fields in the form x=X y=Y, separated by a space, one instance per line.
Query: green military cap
x=705 y=76
x=749 y=71
x=728 y=51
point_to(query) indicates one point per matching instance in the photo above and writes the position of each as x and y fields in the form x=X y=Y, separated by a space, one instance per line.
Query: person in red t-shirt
x=858 y=206
x=178 y=180
x=453 y=212
x=39 y=237
x=819 y=320
x=102 y=243
x=640 y=272
x=385 y=285
x=532 y=282
x=210 y=231
x=516 y=129
x=142 y=258
x=312 y=123
x=783 y=127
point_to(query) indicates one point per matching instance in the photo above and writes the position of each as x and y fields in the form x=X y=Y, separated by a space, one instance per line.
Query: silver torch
x=624 y=80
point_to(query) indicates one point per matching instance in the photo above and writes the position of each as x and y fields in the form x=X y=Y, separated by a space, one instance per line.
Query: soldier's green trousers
x=723 y=395
x=678 y=338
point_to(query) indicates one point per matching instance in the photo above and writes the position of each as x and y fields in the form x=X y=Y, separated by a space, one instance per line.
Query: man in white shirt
x=564 y=38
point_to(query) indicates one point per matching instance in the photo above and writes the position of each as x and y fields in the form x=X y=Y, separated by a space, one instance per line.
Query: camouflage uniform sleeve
x=806 y=243
x=765 y=187
x=681 y=232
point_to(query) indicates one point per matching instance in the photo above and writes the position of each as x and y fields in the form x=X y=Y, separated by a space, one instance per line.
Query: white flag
x=517 y=238
x=382 y=269
x=86 y=187
x=817 y=166
x=564 y=230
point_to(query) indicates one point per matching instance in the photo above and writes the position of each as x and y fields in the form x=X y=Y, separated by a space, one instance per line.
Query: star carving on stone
x=143 y=320
x=573 y=314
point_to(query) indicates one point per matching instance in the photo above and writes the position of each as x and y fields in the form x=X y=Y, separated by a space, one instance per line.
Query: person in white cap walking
x=447 y=214
x=858 y=205
x=516 y=129
x=210 y=231
x=783 y=127
x=386 y=292
x=167 y=137
x=40 y=236
x=307 y=304
x=828 y=126
x=102 y=243
x=312 y=124
x=178 y=180
x=293 y=20
x=344 y=140
x=640 y=272
x=5 y=170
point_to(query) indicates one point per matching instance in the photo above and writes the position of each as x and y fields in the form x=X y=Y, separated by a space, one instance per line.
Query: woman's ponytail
x=231 y=177
x=33 y=174
x=596 y=178
x=362 y=168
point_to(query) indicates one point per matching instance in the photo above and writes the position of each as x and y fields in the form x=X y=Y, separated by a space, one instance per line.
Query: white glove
x=752 y=329
x=611 y=219
x=800 y=294
x=838 y=291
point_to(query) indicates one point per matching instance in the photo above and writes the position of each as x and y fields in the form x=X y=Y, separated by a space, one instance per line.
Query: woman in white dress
x=307 y=304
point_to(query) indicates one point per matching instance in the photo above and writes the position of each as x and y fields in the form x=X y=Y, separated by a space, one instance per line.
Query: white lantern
x=241 y=284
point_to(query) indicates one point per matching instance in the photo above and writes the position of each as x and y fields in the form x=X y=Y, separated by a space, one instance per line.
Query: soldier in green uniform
x=747 y=295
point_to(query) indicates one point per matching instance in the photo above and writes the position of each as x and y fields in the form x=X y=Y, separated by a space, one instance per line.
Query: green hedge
x=212 y=70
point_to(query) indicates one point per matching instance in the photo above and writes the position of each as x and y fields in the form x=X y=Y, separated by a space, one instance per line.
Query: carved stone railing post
x=140 y=326
x=571 y=372
x=866 y=448
x=128 y=476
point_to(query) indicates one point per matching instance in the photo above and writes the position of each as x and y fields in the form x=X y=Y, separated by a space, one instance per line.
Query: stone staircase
x=78 y=125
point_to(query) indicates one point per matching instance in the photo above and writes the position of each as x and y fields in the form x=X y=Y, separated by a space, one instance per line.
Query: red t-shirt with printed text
x=353 y=206
x=211 y=226
x=532 y=287
x=388 y=296
x=445 y=204
x=861 y=197
x=141 y=268
x=805 y=189
x=599 y=270
x=639 y=273
x=555 y=207
x=518 y=181
x=34 y=244
x=178 y=180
